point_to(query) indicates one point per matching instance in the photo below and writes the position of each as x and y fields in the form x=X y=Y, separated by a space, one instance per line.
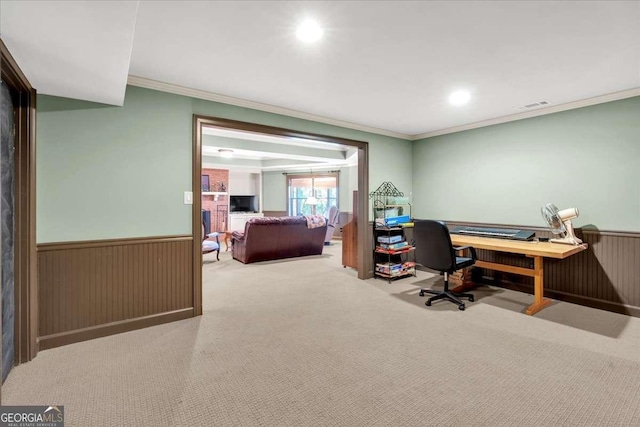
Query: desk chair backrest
x=433 y=245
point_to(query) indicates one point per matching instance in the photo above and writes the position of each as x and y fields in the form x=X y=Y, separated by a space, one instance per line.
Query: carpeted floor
x=305 y=343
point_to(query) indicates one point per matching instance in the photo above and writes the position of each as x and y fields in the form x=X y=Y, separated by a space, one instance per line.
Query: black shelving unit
x=393 y=255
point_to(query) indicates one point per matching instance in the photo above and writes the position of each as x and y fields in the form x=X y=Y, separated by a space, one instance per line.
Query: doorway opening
x=297 y=163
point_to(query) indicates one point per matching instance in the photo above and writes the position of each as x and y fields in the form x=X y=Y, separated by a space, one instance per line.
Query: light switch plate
x=188 y=197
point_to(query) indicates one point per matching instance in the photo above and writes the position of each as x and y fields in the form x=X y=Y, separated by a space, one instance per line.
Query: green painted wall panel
x=115 y=172
x=274 y=189
x=112 y=172
x=587 y=158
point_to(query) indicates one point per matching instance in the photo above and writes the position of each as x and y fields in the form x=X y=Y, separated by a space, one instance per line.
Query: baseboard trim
x=600 y=304
x=99 y=331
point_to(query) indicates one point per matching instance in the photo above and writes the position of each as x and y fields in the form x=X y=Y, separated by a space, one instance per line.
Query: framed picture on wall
x=205 y=183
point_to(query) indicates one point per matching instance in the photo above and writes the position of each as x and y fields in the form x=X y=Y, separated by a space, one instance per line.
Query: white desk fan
x=560 y=223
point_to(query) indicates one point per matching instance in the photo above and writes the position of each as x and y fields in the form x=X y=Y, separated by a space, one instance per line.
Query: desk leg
x=538 y=288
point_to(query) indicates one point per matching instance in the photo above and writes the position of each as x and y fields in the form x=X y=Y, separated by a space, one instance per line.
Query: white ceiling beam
x=289 y=151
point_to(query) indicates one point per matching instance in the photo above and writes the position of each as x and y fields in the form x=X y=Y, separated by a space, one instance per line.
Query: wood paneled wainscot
x=92 y=289
x=606 y=275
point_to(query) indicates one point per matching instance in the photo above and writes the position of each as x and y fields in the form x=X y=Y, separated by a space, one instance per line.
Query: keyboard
x=499 y=233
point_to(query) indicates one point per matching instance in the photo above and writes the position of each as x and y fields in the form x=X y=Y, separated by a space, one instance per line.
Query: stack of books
x=389 y=268
x=409 y=265
x=390 y=239
x=392 y=220
x=396 y=269
x=394 y=246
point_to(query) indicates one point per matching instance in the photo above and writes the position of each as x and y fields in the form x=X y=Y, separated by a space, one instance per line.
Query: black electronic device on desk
x=498 y=233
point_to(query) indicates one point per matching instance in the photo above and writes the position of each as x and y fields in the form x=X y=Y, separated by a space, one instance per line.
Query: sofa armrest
x=237 y=235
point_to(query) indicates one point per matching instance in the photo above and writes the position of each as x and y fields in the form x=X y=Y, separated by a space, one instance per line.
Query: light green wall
x=587 y=158
x=115 y=172
x=107 y=172
x=348 y=184
x=274 y=188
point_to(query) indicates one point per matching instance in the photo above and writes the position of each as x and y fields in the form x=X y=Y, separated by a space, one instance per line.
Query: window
x=305 y=190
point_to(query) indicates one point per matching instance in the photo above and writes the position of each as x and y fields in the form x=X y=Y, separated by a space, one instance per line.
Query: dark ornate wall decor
x=7 y=173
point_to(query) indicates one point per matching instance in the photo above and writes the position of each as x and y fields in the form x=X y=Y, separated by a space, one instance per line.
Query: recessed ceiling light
x=225 y=152
x=309 y=31
x=460 y=97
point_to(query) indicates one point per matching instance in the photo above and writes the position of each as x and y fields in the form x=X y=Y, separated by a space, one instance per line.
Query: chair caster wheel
x=428 y=303
x=461 y=307
x=470 y=299
x=421 y=293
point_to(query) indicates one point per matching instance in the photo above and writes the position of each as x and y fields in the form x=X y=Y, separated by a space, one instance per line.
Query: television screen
x=243 y=203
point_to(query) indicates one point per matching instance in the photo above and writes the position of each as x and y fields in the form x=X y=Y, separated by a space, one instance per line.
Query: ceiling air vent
x=534 y=105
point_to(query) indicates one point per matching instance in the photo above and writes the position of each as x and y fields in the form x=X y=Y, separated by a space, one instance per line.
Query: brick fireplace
x=217 y=204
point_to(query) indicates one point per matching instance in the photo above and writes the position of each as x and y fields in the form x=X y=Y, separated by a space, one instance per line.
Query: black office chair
x=434 y=250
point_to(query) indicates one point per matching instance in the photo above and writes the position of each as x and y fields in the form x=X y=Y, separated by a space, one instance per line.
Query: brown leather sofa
x=276 y=238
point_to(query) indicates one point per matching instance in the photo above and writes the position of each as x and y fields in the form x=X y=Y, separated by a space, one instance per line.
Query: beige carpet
x=304 y=343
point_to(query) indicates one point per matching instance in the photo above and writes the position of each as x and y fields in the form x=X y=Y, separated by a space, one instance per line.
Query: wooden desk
x=536 y=250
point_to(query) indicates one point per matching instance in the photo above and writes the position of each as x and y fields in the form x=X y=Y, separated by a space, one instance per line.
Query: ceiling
x=272 y=153
x=72 y=49
x=385 y=65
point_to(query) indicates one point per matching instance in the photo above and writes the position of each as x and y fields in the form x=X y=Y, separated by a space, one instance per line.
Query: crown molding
x=215 y=97
x=535 y=113
x=210 y=96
